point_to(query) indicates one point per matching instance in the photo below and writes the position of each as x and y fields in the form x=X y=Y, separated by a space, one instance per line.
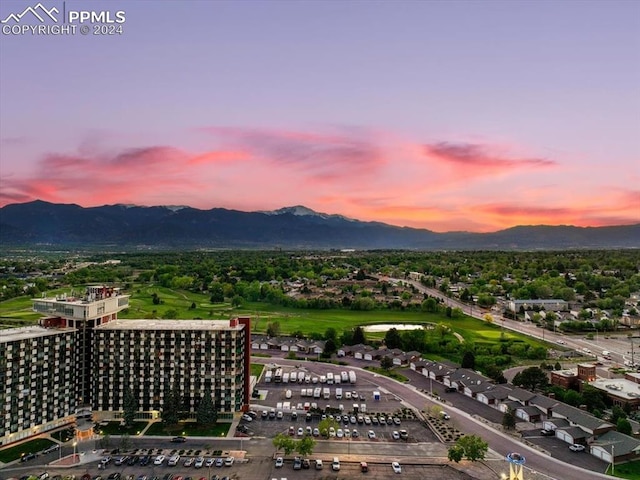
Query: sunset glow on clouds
x=441 y=186
x=438 y=115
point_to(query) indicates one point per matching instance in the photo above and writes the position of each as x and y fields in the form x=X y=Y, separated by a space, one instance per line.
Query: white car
x=279 y=462
x=159 y=460
x=199 y=462
x=371 y=434
x=576 y=447
x=247 y=418
x=395 y=435
x=339 y=433
x=396 y=467
x=300 y=431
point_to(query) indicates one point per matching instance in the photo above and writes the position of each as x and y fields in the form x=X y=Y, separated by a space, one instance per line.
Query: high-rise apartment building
x=82 y=356
x=153 y=357
x=98 y=305
x=37 y=380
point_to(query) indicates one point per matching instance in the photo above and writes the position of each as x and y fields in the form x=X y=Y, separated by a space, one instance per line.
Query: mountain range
x=41 y=223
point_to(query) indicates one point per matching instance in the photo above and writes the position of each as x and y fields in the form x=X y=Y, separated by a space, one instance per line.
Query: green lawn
x=114 y=428
x=629 y=470
x=290 y=320
x=388 y=373
x=256 y=369
x=189 y=429
x=10 y=454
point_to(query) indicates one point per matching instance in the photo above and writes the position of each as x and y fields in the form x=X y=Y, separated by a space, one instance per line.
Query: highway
x=620 y=346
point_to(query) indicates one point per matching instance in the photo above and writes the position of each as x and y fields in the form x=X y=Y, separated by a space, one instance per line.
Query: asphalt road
x=499 y=442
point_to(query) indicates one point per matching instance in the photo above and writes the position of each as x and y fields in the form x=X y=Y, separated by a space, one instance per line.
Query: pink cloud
x=471 y=160
x=358 y=173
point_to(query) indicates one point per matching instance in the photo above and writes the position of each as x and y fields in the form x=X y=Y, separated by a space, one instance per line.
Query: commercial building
x=37 y=381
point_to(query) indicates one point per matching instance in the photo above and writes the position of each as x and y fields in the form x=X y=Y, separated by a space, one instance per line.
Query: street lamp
x=75 y=444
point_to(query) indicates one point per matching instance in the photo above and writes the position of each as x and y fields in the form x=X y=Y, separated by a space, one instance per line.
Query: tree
x=358 y=336
x=105 y=441
x=217 y=293
x=392 y=338
x=488 y=318
x=171 y=313
x=236 y=301
x=455 y=453
x=273 y=329
x=329 y=348
x=125 y=442
x=469 y=360
x=509 y=419
x=171 y=406
x=471 y=447
x=305 y=446
x=429 y=305
x=285 y=443
x=206 y=414
x=331 y=334
x=532 y=378
x=617 y=413
x=624 y=426
x=386 y=362
x=156 y=299
x=130 y=407
x=326 y=424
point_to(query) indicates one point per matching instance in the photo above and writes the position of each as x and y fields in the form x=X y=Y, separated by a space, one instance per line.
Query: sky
x=445 y=115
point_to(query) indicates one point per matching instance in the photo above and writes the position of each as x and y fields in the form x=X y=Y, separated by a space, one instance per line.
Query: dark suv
x=178 y=439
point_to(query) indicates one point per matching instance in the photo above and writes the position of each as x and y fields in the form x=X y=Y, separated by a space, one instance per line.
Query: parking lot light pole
x=75 y=444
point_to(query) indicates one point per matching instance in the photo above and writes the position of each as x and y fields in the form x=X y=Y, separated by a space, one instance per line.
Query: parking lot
x=296 y=408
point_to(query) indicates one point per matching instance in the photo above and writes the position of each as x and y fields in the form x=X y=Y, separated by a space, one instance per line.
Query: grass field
x=189 y=429
x=18 y=311
x=256 y=369
x=629 y=470
x=14 y=453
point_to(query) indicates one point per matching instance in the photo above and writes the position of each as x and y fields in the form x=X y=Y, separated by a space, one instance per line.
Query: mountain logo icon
x=38 y=11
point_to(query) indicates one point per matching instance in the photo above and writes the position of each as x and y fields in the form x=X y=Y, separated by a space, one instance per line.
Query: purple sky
x=444 y=115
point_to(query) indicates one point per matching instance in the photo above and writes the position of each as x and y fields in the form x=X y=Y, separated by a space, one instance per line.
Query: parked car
x=547 y=433
x=364 y=467
x=217 y=461
x=247 y=418
x=371 y=434
x=297 y=463
x=306 y=463
x=199 y=462
x=188 y=462
x=159 y=460
x=318 y=464
x=279 y=462
x=450 y=390
x=335 y=465
x=576 y=447
x=395 y=435
x=396 y=467
x=228 y=462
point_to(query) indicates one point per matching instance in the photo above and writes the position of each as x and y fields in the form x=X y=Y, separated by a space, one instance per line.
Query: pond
x=383 y=327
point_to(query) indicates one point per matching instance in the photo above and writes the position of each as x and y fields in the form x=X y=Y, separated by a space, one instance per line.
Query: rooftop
x=35 y=331
x=145 y=324
x=619 y=387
